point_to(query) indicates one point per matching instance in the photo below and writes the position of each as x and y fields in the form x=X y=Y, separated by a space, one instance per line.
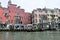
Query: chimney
x=18 y=7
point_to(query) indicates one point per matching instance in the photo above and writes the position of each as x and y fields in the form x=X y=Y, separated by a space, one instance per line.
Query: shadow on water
x=46 y=35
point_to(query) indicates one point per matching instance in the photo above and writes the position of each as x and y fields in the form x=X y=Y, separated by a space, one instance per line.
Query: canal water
x=45 y=35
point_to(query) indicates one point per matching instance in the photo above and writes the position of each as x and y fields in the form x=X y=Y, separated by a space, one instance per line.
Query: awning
x=18 y=25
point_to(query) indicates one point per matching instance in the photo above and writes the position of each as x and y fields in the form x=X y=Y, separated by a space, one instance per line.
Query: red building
x=14 y=14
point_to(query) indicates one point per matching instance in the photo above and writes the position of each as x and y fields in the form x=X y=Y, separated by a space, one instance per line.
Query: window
x=32 y=21
x=17 y=17
x=41 y=21
x=52 y=11
x=35 y=15
x=44 y=21
x=32 y=15
x=21 y=17
x=9 y=11
x=47 y=14
x=8 y=21
x=43 y=16
x=24 y=17
x=58 y=17
x=8 y=18
x=6 y=15
x=52 y=15
x=53 y=19
x=35 y=21
x=39 y=15
x=18 y=12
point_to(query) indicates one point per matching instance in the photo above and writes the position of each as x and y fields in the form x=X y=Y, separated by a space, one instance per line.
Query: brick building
x=13 y=14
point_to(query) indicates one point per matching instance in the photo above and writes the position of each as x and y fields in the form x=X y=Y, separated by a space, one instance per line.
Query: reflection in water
x=7 y=35
x=46 y=35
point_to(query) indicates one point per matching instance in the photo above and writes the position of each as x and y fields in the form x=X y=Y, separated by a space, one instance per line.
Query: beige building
x=52 y=15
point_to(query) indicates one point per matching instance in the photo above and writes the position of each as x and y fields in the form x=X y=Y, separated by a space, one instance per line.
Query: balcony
x=43 y=21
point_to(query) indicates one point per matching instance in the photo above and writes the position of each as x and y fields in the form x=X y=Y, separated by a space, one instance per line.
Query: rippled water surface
x=46 y=35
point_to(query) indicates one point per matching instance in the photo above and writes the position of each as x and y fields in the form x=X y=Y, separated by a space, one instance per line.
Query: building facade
x=39 y=17
x=52 y=15
x=13 y=14
x=46 y=17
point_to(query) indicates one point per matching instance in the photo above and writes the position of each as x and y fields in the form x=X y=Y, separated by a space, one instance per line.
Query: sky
x=29 y=5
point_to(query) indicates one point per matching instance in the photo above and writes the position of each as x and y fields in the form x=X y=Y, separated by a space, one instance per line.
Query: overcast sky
x=29 y=5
